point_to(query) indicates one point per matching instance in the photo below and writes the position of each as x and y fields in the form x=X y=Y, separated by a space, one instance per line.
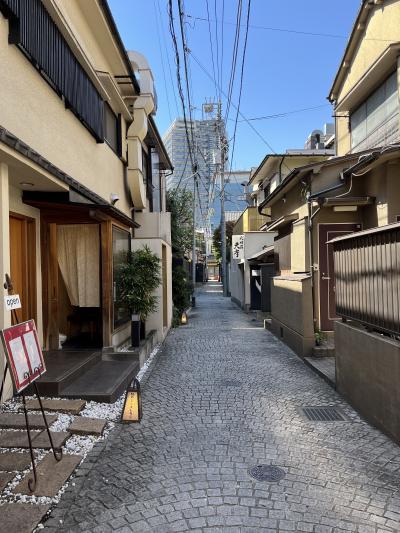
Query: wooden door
x=23 y=264
x=327 y=232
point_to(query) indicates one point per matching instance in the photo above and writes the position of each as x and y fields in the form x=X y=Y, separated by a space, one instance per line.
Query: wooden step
x=106 y=380
x=63 y=367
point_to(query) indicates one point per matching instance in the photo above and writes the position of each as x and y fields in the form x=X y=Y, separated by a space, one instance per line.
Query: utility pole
x=222 y=149
x=194 y=169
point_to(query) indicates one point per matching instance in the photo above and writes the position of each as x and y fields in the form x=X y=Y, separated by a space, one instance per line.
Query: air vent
x=324 y=414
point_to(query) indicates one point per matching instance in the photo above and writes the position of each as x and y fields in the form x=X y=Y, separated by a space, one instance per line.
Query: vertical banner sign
x=23 y=353
x=238 y=247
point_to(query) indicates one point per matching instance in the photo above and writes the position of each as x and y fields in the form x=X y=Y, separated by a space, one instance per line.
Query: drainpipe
x=311 y=216
x=280 y=169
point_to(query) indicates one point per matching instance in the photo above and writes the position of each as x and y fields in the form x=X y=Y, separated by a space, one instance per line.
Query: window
x=121 y=246
x=375 y=122
x=112 y=134
x=156 y=181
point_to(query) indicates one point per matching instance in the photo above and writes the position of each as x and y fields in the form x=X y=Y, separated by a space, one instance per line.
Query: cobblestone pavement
x=224 y=396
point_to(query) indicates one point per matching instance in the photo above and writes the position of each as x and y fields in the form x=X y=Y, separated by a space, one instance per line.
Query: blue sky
x=284 y=71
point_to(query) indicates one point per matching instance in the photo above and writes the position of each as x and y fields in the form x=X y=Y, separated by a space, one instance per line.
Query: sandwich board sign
x=23 y=353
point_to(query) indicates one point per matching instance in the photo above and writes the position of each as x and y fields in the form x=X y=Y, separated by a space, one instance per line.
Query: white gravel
x=76 y=444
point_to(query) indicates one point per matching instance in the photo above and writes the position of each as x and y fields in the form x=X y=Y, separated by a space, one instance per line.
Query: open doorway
x=79 y=293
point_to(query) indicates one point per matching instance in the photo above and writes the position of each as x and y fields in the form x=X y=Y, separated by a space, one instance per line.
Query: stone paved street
x=224 y=396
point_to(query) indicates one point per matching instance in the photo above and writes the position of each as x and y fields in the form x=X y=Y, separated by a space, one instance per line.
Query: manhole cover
x=229 y=383
x=266 y=473
x=324 y=414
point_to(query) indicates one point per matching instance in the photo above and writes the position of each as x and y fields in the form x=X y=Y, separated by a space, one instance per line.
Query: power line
x=185 y=65
x=286 y=113
x=240 y=113
x=234 y=58
x=178 y=75
x=168 y=61
x=217 y=44
x=210 y=38
x=241 y=81
x=162 y=61
x=297 y=32
x=222 y=45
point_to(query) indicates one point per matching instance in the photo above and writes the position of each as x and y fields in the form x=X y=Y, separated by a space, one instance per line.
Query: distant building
x=321 y=139
x=206 y=153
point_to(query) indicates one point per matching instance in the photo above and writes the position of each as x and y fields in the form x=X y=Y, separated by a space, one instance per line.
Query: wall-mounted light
x=114 y=198
x=132 y=411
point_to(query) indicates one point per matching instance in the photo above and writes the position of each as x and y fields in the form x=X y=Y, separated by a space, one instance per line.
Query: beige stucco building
x=314 y=201
x=82 y=171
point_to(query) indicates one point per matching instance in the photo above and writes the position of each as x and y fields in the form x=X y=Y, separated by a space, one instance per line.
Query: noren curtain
x=78 y=247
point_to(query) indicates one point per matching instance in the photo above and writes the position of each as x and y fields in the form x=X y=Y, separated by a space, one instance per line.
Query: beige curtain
x=78 y=248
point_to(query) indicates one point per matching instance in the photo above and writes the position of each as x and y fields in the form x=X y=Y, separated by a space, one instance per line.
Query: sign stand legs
x=31 y=481
x=57 y=453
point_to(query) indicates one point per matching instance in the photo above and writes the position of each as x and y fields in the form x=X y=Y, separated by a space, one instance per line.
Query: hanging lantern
x=132 y=411
x=184 y=318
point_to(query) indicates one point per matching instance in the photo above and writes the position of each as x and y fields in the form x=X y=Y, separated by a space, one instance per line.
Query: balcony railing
x=367 y=273
x=386 y=133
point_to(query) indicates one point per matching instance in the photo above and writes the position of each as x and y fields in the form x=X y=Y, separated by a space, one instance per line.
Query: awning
x=282 y=221
x=265 y=251
x=60 y=205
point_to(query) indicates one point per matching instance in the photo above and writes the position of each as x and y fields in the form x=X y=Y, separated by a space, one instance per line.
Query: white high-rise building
x=205 y=135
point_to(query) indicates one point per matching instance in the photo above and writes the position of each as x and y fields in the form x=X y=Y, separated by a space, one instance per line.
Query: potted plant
x=138 y=278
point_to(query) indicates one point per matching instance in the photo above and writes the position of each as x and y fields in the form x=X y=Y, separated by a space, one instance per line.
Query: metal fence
x=367 y=274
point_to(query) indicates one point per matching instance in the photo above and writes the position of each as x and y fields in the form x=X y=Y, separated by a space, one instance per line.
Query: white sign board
x=238 y=247
x=12 y=301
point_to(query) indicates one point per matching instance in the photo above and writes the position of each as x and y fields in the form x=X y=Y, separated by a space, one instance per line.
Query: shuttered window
x=376 y=122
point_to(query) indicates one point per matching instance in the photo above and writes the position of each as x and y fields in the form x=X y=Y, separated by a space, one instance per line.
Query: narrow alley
x=225 y=396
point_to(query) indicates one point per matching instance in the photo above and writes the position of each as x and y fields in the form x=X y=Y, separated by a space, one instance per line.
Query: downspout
x=280 y=169
x=311 y=216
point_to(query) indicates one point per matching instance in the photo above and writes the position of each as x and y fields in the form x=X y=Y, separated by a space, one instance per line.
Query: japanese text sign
x=238 y=247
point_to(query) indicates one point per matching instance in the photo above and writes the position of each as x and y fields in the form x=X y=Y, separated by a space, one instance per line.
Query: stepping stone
x=51 y=475
x=40 y=439
x=72 y=407
x=43 y=441
x=16 y=439
x=5 y=478
x=21 y=517
x=11 y=462
x=83 y=425
x=17 y=421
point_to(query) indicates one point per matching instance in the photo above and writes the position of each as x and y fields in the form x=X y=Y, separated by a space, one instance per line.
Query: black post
x=57 y=454
x=4 y=380
x=31 y=481
x=135 y=333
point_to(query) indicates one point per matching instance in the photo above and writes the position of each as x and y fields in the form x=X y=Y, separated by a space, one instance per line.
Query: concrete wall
x=292 y=312
x=236 y=283
x=368 y=375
